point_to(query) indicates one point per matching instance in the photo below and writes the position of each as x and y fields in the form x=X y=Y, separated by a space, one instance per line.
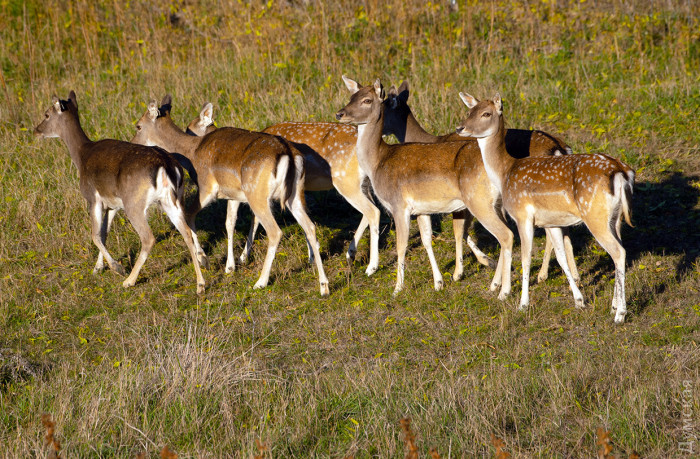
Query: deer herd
x=481 y=170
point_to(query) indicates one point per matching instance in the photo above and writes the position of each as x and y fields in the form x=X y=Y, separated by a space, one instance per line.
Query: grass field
x=127 y=371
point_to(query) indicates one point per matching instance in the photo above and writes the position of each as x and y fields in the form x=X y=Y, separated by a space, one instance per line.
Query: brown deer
x=399 y=121
x=555 y=192
x=422 y=179
x=119 y=175
x=242 y=167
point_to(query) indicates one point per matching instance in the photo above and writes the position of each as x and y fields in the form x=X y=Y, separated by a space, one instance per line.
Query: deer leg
x=352 y=192
x=426 y=235
x=138 y=219
x=560 y=252
x=460 y=222
x=97 y=231
x=402 y=220
x=571 y=261
x=231 y=216
x=249 y=240
x=173 y=208
x=544 y=269
x=205 y=195
x=296 y=206
x=608 y=238
x=104 y=230
x=526 y=231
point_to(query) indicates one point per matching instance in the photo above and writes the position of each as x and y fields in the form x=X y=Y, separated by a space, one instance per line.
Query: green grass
x=125 y=371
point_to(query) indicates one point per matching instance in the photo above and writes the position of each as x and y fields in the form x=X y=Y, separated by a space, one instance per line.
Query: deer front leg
x=426 y=235
x=402 y=221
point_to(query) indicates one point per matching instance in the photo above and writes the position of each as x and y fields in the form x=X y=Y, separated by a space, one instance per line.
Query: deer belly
x=423 y=207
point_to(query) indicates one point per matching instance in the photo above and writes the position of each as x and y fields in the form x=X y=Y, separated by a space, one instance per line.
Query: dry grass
x=127 y=371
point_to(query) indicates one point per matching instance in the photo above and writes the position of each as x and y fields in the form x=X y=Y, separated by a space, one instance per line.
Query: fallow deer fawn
x=555 y=192
x=119 y=175
x=422 y=179
x=330 y=161
x=240 y=166
x=399 y=121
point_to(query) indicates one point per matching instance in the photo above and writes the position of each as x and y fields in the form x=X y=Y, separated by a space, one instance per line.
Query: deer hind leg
x=402 y=220
x=608 y=237
x=138 y=219
x=205 y=195
x=352 y=192
x=560 y=252
x=231 y=216
x=460 y=223
x=426 y=235
x=544 y=269
x=296 y=206
x=489 y=218
x=99 y=235
x=248 y=248
x=173 y=208
x=104 y=230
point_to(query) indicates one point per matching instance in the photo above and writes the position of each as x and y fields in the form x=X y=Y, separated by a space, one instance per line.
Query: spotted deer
x=555 y=192
x=240 y=166
x=422 y=179
x=119 y=175
x=399 y=121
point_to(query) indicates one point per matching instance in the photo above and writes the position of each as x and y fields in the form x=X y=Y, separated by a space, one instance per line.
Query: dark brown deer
x=242 y=167
x=119 y=175
x=422 y=179
x=555 y=192
x=399 y=121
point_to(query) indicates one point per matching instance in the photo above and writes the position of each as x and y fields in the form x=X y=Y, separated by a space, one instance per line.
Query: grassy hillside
x=128 y=371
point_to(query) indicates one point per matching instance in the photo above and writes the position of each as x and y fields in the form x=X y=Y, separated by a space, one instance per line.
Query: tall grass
x=127 y=371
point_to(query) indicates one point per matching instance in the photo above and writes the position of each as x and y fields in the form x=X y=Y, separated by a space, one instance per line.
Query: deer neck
x=416 y=133
x=175 y=140
x=497 y=161
x=370 y=143
x=76 y=140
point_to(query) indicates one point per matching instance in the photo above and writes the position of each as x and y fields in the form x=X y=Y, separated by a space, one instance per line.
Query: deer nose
x=339 y=115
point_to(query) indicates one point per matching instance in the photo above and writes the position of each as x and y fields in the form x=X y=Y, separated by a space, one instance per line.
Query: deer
x=555 y=192
x=400 y=121
x=240 y=166
x=116 y=175
x=422 y=179
x=329 y=150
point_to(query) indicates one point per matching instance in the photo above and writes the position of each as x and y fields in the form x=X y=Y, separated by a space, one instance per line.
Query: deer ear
x=403 y=92
x=469 y=100
x=206 y=115
x=153 y=110
x=379 y=89
x=498 y=103
x=72 y=98
x=351 y=84
x=166 y=104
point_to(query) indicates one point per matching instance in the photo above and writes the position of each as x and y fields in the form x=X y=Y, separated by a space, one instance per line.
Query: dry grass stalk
x=499 y=444
x=51 y=441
